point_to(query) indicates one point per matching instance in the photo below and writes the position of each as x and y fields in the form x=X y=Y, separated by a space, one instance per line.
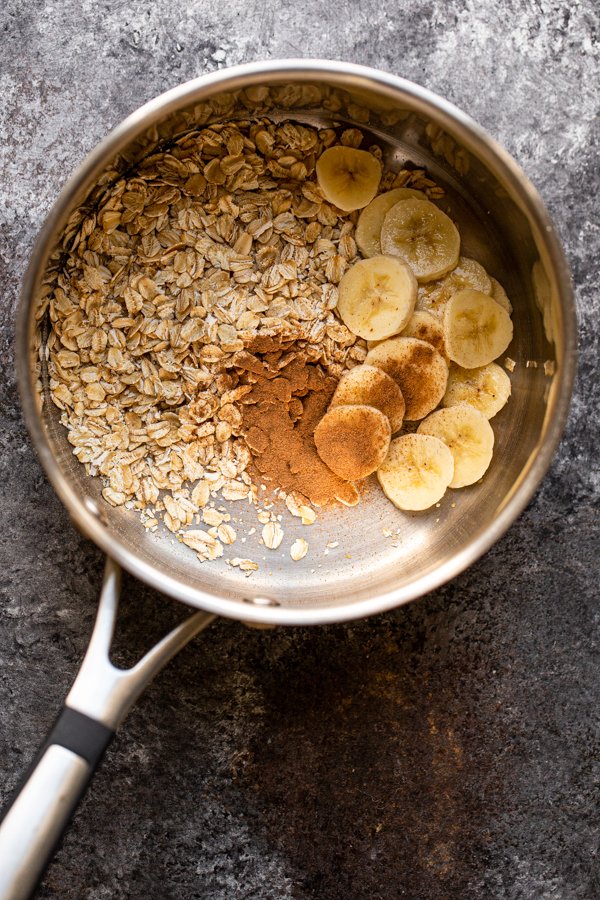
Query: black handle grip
x=34 y=820
x=84 y=736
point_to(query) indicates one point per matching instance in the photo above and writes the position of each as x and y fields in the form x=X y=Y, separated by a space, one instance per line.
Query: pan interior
x=373 y=548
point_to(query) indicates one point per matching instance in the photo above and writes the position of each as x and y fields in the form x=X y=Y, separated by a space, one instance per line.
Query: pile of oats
x=220 y=238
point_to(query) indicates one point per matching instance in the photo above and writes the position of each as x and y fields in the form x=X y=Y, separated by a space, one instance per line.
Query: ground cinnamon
x=288 y=398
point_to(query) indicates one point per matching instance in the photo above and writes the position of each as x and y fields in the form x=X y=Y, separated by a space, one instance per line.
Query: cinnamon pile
x=287 y=398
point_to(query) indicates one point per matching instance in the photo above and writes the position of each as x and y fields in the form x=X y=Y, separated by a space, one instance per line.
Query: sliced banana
x=376 y=297
x=476 y=328
x=468 y=435
x=349 y=178
x=353 y=440
x=426 y=327
x=416 y=471
x=487 y=388
x=500 y=296
x=422 y=235
x=368 y=228
x=419 y=370
x=468 y=273
x=368 y=386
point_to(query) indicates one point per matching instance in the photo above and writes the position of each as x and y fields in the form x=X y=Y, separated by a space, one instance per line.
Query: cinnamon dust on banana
x=288 y=397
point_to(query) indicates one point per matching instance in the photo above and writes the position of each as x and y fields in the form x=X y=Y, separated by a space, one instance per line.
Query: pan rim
x=474 y=139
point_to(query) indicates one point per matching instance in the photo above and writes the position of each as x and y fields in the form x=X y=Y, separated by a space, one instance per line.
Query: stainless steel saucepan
x=503 y=224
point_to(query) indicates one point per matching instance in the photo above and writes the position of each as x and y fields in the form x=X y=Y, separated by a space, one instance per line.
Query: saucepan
x=378 y=557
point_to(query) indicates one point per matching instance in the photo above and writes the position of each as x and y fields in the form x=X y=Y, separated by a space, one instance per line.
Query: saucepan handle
x=99 y=700
x=33 y=824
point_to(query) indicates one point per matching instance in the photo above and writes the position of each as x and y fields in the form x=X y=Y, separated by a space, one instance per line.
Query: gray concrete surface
x=447 y=750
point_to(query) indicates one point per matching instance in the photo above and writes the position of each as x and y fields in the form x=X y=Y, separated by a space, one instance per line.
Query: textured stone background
x=447 y=750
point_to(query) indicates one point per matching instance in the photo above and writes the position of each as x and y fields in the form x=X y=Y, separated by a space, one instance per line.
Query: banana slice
x=468 y=435
x=349 y=178
x=500 y=296
x=353 y=440
x=467 y=274
x=368 y=386
x=422 y=235
x=476 y=328
x=368 y=228
x=419 y=370
x=376 y=297
x=487 y=389
x=416 y=471
x=426 y=327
